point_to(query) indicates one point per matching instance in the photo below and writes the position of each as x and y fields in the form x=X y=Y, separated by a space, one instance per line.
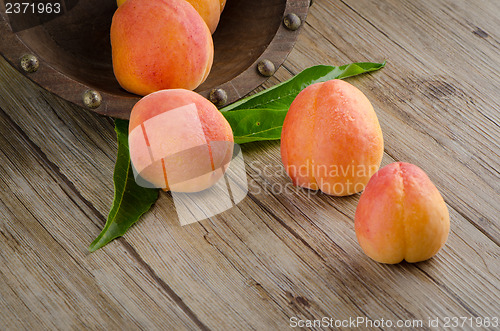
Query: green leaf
x=255 y=124
x=131 y=200
x=260 y=116
x=281 y=95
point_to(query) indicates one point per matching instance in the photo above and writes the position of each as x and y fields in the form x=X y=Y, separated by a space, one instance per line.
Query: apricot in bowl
x=160 y=44
x=209 y=10
x=74 y=50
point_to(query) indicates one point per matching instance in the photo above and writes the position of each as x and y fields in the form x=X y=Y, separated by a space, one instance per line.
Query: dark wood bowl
x=70 y=54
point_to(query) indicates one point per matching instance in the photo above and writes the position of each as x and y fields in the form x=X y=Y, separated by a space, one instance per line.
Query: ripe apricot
x=160 y=44
x=401 y=215
x=179 y=141
x=209 y=10
x=331 y=139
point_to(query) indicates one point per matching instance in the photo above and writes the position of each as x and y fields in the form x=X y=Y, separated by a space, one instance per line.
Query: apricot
x=160 y=44
x=209 y=10
x=331 y=139
x=178 y=141
x=401 y=216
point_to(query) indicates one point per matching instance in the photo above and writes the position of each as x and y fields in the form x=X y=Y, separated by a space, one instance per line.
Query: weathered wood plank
x=48 y=278
x=325 y=223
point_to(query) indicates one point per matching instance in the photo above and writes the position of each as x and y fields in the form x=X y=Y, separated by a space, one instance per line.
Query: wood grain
x=282 y=251
x=48 y=279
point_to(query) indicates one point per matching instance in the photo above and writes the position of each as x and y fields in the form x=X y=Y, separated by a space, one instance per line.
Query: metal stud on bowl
x=29 y=63
x=266 y=68
x=218 y=97
x=91 y=99
x=292 y=21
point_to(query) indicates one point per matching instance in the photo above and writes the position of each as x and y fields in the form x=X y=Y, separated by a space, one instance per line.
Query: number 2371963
x=32 y=8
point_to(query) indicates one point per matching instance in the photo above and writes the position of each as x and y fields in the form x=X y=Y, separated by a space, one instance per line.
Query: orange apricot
x=160 y=44
x=401 y=216
x=179 y=141
x=331 y=139
x=209 y=10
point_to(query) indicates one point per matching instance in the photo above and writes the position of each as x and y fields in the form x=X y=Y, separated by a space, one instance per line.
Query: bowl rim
x=12 y=48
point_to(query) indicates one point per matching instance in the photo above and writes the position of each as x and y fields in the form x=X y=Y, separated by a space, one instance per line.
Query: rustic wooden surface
x=275 y=255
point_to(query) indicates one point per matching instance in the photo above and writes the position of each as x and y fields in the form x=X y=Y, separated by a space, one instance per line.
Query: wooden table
x=275 y=258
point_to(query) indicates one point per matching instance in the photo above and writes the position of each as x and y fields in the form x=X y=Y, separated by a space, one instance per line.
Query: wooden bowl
x=70 y=54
